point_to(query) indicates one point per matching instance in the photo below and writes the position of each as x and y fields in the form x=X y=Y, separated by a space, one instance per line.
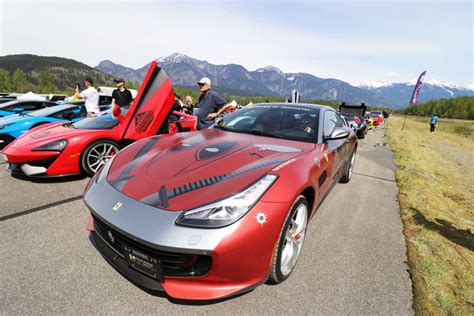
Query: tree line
x=43 y=81
x=457 y=108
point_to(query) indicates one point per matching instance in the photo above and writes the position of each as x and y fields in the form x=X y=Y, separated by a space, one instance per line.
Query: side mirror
x=338 y=133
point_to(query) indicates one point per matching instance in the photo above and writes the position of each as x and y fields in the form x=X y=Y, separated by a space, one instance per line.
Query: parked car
x=19 y=106
x=212 y=213
x=377 y=117
x=83 y=147
x=354 y=115
x=369 y=121
x=12 y=127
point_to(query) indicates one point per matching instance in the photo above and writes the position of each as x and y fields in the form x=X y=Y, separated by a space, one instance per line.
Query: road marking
x=40 y=208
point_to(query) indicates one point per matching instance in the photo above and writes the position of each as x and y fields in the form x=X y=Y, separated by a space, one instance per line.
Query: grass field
x=436 y=181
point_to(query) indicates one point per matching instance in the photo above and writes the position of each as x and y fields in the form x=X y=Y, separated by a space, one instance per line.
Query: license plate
x=143 y=263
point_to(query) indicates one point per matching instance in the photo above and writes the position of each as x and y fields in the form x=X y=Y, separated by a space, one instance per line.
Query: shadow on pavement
x=50 y=180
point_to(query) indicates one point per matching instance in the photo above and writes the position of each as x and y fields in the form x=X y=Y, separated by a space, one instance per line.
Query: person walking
x=210 y=104
x=91 y=97
x=121 y=96
x=433 y=122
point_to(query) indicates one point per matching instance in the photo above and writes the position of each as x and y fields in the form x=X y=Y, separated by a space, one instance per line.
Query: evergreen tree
x=5 y=81
x=20 y=82
x=45 y=82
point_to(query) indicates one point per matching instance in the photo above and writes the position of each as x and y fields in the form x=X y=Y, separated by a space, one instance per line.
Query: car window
x=69 y=114
x=331 y=120
x=103 y=120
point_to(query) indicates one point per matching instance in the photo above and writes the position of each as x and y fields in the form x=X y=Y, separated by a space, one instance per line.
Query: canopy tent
x=30 y=96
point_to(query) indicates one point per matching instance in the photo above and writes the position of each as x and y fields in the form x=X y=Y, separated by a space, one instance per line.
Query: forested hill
x=458 y=108
x=20 y=73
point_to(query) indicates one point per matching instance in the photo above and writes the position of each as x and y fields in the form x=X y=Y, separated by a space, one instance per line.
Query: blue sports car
x=19 y=106
x=14 y=126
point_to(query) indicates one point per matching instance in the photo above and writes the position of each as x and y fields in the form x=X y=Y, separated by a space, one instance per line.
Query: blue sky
x=355 y=41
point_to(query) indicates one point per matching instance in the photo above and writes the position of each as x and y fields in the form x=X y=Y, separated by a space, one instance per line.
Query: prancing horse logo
x=116 y=207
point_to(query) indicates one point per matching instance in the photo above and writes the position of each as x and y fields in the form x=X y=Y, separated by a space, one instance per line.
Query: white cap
x=205 y=80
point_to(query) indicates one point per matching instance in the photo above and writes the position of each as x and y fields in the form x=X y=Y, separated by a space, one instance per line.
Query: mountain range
x=185 y=71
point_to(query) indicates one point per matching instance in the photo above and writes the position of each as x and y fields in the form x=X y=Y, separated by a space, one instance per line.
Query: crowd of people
x=209 y=106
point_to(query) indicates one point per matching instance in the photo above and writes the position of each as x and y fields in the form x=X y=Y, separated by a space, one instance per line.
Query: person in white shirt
x=91 y=97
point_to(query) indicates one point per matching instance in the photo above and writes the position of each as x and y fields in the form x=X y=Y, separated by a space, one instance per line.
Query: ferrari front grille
x=173 y=263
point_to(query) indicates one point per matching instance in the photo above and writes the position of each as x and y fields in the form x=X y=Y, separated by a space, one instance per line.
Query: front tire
x=290 y=241
x=97 y=154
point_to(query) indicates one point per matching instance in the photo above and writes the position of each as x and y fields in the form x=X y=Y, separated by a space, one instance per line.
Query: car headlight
x=227 y=211
x=57 y=145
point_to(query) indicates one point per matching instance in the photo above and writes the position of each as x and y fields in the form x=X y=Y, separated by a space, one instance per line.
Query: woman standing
x=188 y=105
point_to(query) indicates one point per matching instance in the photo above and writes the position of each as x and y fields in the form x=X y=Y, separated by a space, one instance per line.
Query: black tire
x=276 y=275
x=88 y=160
x=346 y=177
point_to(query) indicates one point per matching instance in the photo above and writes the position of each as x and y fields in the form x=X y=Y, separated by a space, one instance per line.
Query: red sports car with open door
x=72 y=148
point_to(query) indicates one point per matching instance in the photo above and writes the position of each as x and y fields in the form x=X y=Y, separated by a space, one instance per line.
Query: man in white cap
x=210 y=104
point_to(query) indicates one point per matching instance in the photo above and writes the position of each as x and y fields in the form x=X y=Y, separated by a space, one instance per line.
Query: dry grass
x=436 y=181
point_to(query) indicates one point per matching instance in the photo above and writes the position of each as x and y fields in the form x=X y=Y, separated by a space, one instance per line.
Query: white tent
x=30 y=96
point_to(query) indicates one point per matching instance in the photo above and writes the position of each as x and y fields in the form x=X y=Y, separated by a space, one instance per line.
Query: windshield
x=374 y=115
x=103 y=120
x=292 y=122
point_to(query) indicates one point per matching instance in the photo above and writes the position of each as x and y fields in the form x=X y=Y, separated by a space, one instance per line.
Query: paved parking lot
x=353 y=261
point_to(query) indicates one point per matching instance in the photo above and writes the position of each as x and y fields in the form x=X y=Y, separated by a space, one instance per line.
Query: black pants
x=432 y=128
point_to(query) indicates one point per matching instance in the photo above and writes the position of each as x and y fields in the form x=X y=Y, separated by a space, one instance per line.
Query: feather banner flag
x=416 y=91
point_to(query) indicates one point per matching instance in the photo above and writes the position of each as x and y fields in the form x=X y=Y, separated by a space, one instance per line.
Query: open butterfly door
x=151 y=108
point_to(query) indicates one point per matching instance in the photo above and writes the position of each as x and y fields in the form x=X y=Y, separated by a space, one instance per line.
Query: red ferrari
x=83 y=147
x=220 y=211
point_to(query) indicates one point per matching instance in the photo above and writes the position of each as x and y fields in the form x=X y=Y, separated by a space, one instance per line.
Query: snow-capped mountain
x=185 y=71
x=399 y=94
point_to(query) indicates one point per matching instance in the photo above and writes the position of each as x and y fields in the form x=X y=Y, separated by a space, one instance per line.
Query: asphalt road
x=353 y=260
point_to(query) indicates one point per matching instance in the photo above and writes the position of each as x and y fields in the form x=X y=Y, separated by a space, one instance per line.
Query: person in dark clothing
x=433 y=121
x=178 y=104
x=121 y=96
x=210 y=104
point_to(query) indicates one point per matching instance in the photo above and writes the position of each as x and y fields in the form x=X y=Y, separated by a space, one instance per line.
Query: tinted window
x=292 y=122
x=331 y=120
x=103 y=120
x=71 y=113
x=25 y=105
